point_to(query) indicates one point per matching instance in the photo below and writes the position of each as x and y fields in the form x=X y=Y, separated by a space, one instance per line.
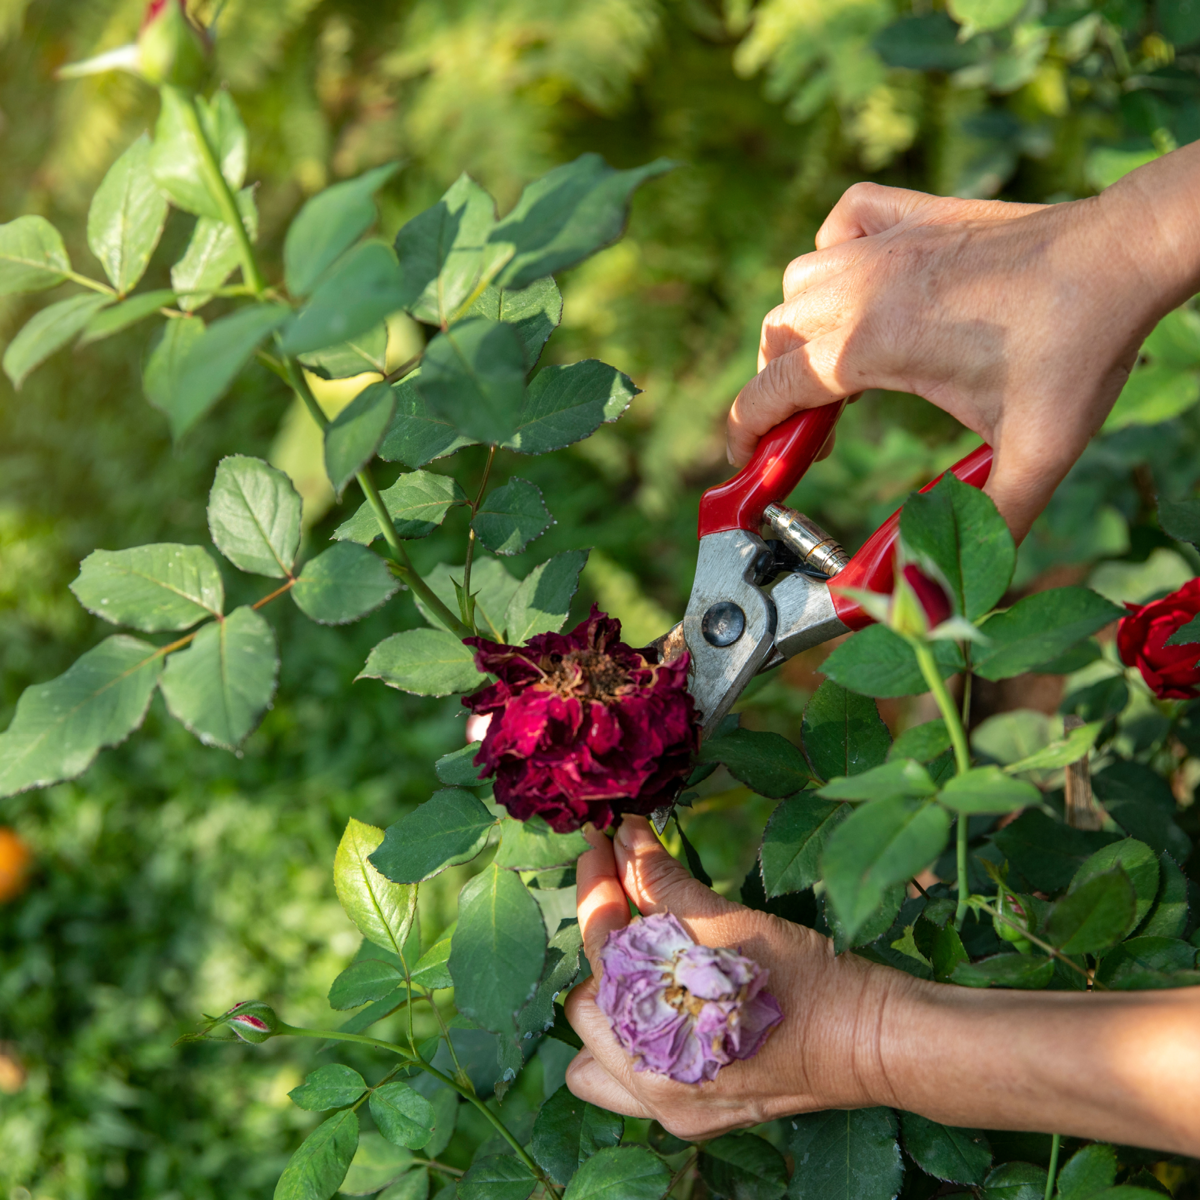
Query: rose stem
x=466 y=606
x=1054 y=1144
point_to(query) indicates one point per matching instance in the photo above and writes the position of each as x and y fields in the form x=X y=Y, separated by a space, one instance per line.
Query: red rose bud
x=252 y=1021
x=1172 y=672
x=583 y=726
x=919 y=603
x=1014 y=928
x=171 y=50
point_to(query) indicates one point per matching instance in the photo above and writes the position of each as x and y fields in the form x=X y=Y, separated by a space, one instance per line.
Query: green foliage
x=403 y=1116
x=254 y=516
x=794 y=840
x=426 y=662
x=126 y=217
x=765 y=762
x=511 y=517
x=382 y=911
x=843 y=733
x=330 y=1086
x=628 y=1170
x=355 y=434
x=568 y=1132
x=946 y=1153
x=450 y=828
x=32 y=256
x=743 y=1167
x=343 y=584
x=50 y=330
x=318 y=1167
x=850 y=1155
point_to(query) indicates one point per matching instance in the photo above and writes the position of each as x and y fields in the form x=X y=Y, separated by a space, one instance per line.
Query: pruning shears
x=756 y=601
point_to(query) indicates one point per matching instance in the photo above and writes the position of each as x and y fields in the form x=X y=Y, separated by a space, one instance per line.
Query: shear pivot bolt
x=723 y=624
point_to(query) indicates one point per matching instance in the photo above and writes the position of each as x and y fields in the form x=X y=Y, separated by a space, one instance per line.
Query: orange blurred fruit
x=15 y=861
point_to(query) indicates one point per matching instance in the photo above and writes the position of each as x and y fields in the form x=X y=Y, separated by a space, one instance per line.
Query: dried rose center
x=591 y=674
x=680 y=999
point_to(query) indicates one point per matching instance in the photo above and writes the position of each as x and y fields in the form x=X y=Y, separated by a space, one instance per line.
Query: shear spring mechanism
x=811 y=544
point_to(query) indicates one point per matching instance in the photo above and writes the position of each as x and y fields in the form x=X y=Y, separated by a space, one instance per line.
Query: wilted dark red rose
x=1171 y=671
x=583 y=727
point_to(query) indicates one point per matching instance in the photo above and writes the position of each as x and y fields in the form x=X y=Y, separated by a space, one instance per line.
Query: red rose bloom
x=932 y=597
x=583 y=727
x=1171 y=671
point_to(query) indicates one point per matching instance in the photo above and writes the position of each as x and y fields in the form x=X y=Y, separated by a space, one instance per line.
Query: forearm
x=1121 y=1067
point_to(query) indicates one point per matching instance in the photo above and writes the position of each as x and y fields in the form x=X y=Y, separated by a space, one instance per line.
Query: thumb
x=866 y=209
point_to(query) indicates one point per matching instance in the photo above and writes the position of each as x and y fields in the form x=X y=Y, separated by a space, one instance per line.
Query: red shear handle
x=871 y=567
x=778 y=464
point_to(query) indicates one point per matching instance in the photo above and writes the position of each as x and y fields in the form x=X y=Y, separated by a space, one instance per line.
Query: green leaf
x=569 y=1131
x=1139 y=863
x=794 y=839
x=944 y=1151
x=360 y=291
x=160 y=379
x=843 y=1155
x=343 y=584
x=1153 y=393
x=883 y=843
x=417 y=503
x=1141 y=802
x=1179 y=518
x=497 y=1177
x=317 y=1169
x=330 y=1086
x=984 y=15
x=1169 y=915
x=366 y=352
x=1061 y=753
x=32 y=256
x=417 y=434
x=877 y=662
x=1046 y=852
x=473 y=375
x=176 y=160
x=543 y=598
x=445 y=1115
x=767 y=763
x=1015 y=1181
x=1094 y=916
x=377 y=1165
x=221 y=684
x=534 y=313
x=48 y=331
x=1005 y=970
x=121 y=316
x=212 y=255
x=1125 y=964
x=451 y=827
x=1185 y=635
x=533 y=846
x=922 y=742
x=491 y=584
x=328 y=225
x=743 y=1166
x=631 y=1172
x=382 y=911
x=213 y=360
x=511 y=517
x=901 y=777
x=565 y=404
x=1088 y=1171
x=458 y=769
x=843 y=733
x=988 y=790
x=959 y=530
x=254 y=516
x=354 y=435
x=563 y=952
x=431 y=970
x=364 y=982
x=126 y=217
x=444 y=253
x=1038 y=628
x=567 y=215
x=940 y=945
x=403 y=1116
x=426 y=662
x=60 y=726
x=153 y=588
x=498 y=949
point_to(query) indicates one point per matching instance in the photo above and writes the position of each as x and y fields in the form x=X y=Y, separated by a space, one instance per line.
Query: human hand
x=1021 y=321
x=823 y=1054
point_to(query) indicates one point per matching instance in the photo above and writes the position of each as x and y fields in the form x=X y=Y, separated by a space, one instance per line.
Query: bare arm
x=1119 y=1066
x=1022 y=321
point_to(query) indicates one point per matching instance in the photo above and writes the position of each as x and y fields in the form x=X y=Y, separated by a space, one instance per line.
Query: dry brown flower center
x=589 y=674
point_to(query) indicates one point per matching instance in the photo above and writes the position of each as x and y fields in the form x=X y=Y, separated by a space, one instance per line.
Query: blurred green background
x=174 y=879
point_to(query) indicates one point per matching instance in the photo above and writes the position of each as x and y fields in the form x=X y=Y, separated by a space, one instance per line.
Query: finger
x=806 y=316
x=598 y=895
x=817 y=267
x=656 y=882
x=807 y=377
x=1023 y=479
x=588 y=1080
x=866 y=209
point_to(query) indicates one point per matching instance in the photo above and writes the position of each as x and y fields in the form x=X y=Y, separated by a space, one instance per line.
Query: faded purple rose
x=583 y=726
x=680 y=1009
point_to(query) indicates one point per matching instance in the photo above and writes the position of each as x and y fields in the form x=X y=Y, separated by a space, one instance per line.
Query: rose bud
x=252 y=1021
x=1016 y=925
x=919 y=603
x=1172 y=672
x=583 y=727
x=680 y=1009
x=171 y=49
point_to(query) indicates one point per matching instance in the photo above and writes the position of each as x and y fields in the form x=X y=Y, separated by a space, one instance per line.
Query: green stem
x=1053 y=951
x=421 y=1064
x=94 y=284
x=962 y=756
x=1054 y=1144
x=407 y=572
x=467 y=607
x=218 y=185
